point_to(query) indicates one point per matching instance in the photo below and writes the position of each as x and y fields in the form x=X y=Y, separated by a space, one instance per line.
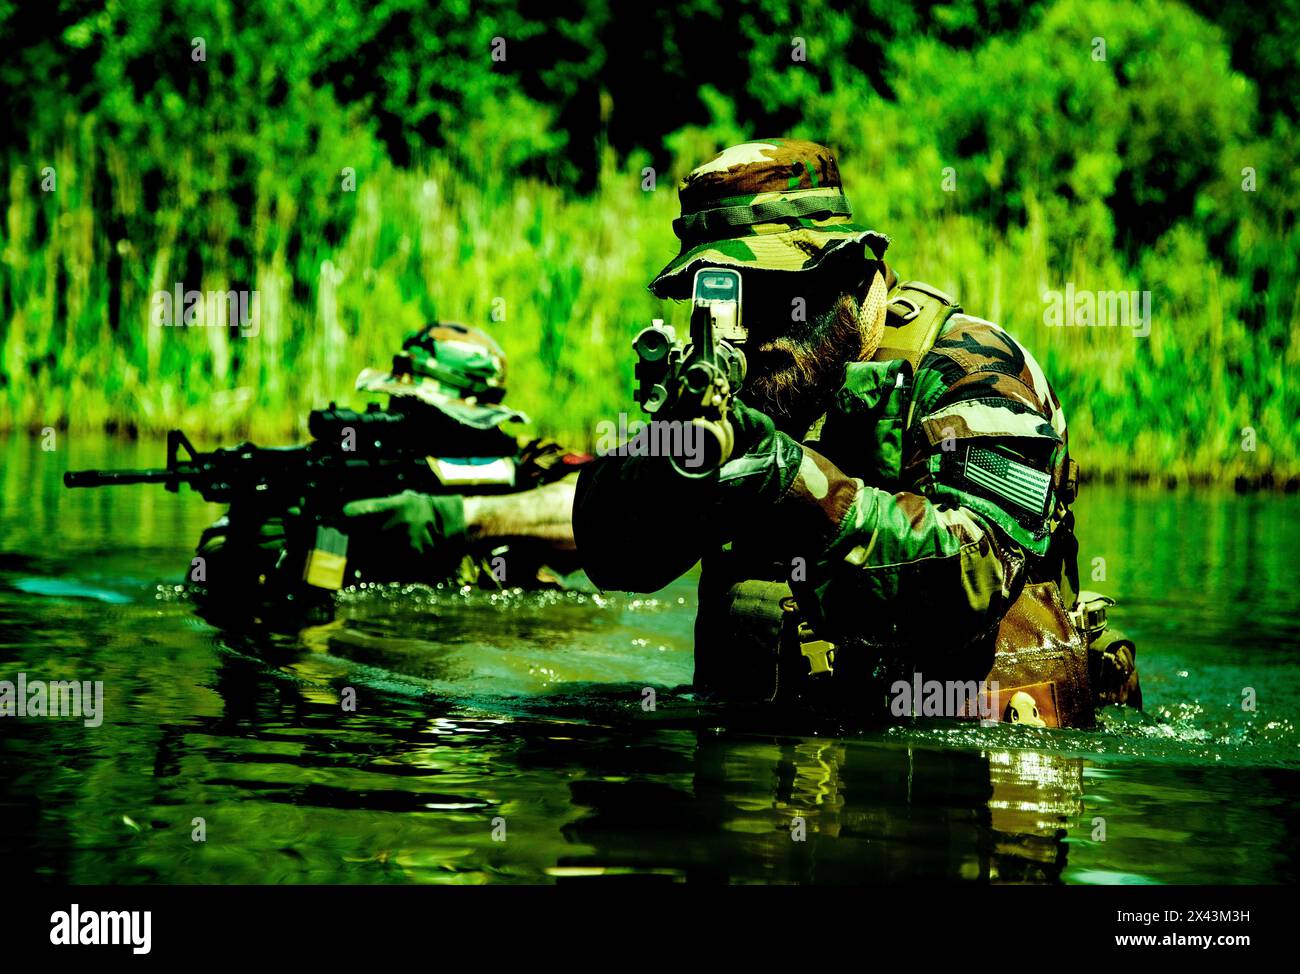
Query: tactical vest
x=753 y=645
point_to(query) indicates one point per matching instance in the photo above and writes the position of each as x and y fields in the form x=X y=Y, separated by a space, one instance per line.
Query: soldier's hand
x=408 y=536
x=750 y=426
x=764 y=461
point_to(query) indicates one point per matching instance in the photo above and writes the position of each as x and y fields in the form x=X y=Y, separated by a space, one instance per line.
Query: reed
x=560 y=279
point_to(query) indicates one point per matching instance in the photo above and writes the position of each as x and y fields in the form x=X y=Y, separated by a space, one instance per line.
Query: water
x=504 y=739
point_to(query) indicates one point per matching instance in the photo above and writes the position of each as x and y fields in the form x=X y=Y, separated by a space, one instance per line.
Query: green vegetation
x=510 y=194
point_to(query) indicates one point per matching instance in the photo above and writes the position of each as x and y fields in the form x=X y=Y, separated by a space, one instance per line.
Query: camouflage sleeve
x=636 y=525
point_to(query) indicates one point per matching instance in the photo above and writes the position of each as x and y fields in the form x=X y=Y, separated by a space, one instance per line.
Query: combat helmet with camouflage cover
x=768 y=205
x=460 y=371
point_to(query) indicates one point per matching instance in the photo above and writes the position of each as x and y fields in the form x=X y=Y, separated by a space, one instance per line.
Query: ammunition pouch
x=742 y=633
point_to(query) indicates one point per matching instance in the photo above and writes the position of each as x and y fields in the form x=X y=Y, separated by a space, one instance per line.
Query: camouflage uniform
x=931 y=498
x=455 y=378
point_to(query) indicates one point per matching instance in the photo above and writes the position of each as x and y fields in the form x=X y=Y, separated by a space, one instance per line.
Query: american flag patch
x=1009 y=479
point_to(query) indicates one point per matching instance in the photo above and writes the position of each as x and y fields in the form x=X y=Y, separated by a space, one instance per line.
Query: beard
x=792 y=375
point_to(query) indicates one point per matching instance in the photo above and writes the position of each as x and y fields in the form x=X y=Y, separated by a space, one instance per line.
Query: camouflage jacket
x=912 y=504
x=953 y=485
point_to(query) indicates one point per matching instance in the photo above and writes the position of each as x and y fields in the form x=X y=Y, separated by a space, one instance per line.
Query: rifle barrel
x=107 y=478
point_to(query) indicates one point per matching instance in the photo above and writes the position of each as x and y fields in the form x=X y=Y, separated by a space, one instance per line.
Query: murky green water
x=503 y=739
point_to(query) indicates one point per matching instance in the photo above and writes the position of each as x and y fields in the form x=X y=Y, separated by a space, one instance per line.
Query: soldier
x=451 y=380
x=897 y=502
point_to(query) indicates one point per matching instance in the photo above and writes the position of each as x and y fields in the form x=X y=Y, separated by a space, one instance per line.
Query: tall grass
x=560 y=280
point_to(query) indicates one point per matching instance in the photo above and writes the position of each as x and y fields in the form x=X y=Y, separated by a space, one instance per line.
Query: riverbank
x=1196 y=388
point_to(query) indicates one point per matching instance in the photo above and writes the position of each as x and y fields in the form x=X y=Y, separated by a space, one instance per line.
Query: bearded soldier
x=897 y=500
x=449 y=380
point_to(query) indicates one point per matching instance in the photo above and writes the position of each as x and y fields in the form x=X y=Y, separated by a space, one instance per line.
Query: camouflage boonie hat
x=458 y=370
x=772 y=204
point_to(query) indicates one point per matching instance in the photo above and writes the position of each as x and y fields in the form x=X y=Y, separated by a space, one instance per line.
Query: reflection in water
x=820 y=811
x=503 y=738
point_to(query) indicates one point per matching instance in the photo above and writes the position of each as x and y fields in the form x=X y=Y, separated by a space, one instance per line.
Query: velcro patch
x=327 y=561
x=1007 y=479
x=473 y=471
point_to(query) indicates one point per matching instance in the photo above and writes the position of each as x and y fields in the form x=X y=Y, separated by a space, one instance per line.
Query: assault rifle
x=693 y=382
x=352 y=456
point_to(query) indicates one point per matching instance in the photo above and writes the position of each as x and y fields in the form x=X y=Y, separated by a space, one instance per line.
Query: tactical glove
x=407 y=537
x=764 y=463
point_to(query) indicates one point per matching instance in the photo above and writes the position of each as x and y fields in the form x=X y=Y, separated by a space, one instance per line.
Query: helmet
x=460 y=371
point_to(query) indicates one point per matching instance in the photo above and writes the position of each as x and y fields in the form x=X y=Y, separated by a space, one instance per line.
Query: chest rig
x=753 y=645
